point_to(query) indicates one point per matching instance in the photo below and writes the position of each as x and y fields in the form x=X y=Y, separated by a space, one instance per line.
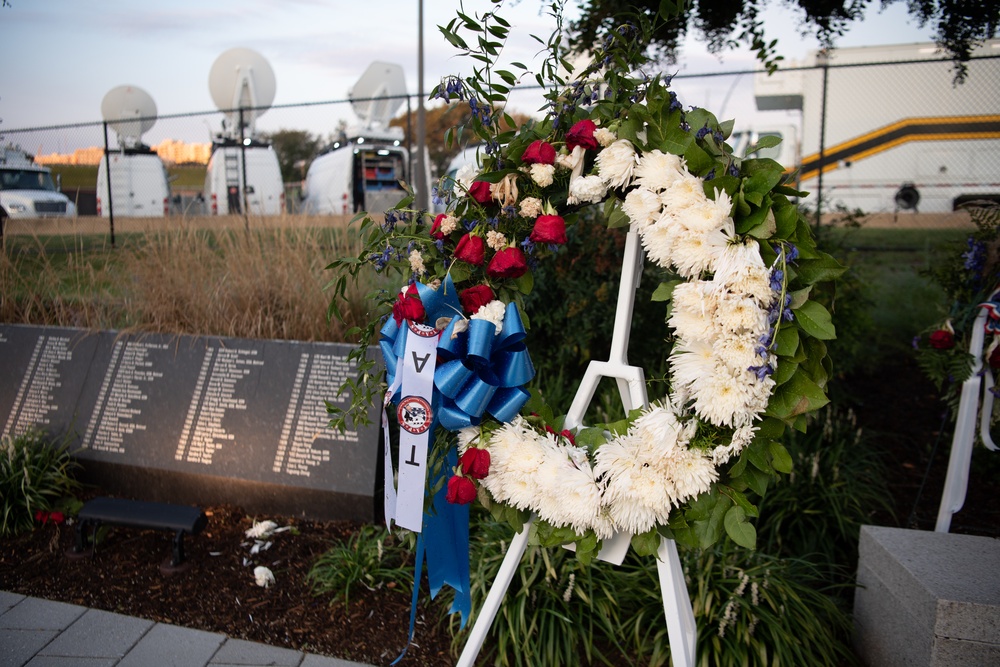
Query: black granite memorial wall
x=200 y=420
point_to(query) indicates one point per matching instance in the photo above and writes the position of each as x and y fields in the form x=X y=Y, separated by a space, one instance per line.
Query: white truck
x=900 y=137
x=264 y=193
x=140 y=186
x=360 y=173
x=27 y=190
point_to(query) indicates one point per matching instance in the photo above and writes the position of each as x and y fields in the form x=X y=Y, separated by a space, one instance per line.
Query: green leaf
x=741 y=500
x=799 y=297
x=818 y=270
x=665 y=290
x=591 y=438
x=781 y=460
x=785 y=370
x=525 y=283
x=797 y=396
x=787 y=342
x=646 y=544
x=737 y=527
x=815 y=320
x=787 y=217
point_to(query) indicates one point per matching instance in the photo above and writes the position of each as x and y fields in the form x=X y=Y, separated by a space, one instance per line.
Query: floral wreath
x=746 y=323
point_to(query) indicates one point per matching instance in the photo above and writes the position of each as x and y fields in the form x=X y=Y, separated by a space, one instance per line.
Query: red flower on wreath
x=475 y=297
x=942 y=339
x=436 y=232
x=475 y=462
x=471 y=249
x=539 y=152
x=408 y=306
x=549 y=229
x=582 y=134
x=480 y=191
x=461 y=490
x=508 y=263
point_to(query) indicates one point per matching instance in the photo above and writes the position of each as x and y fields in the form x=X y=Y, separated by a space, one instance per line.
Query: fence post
x=822 y=57
x=243 y=174
x=107 y=169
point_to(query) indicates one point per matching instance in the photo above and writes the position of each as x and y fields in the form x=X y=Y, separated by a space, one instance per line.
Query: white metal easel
x=681 y=629
x=956 y=482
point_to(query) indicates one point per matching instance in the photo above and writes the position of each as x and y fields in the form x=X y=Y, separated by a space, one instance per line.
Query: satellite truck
x=27 y=189
x=243 y=174
x=897 y=137
x=362 y=171
x=140 y=187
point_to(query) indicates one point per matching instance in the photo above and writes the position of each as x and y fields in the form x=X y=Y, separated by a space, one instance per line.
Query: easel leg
x=493 y=599
x=681 y=628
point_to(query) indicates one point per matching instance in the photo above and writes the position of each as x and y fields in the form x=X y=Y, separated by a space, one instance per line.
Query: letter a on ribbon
x=416 y=419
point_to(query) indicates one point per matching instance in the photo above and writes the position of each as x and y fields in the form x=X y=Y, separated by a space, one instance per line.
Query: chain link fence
x=891 y=139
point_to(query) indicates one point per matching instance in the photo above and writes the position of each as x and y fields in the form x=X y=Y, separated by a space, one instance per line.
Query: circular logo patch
x=414 y=414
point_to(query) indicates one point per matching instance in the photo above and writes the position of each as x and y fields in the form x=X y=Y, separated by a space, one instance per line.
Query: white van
x=265 y=191
x=362 y=173
x=140 y=186
x=27 y=190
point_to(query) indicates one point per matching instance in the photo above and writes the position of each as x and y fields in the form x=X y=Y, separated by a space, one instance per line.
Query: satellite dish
x=380 y=80
x=242 y=79
x=130 y=112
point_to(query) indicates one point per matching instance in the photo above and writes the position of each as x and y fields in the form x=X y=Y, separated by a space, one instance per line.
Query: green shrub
x=35 y=475
x=750 y=608
x=372 y=558
x=837 y=483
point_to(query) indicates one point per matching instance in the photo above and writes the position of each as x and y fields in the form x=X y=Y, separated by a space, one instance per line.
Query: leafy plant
x=35 y=476
x=836 y=484
x=750 y=608
x=372 y=558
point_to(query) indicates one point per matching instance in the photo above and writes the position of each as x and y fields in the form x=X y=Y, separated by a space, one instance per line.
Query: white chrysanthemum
x=693 y=314
x=469 y=435
x=449 y=223
x=686 y=191
x=542 y=174
x=723 y=397
x=694 y=253
x=658 y=170
x=661 y=428
x=531 y=207
x=694 y=474
x=496 y=240
x=742 y=437
x=690 y=363
x=261 y=529
x=616 y=163
x=587 y=189
x=417 y=262
x=740 y=313
x=707 y=214
x=604 y=136
x=494 y=311
x=643 y=207
x=740 y=269
x=738 y=351
x=464 y=178
x=632 y=491
x=658 y=241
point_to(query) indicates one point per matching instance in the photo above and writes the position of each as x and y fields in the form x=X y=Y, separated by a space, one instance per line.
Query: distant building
x=170 y=151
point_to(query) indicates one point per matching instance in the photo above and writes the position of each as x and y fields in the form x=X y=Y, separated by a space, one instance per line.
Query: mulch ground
x=897 y=406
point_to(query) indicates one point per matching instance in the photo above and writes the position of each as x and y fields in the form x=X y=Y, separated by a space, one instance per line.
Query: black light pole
x=107 y=170
x=824 y=58
x=421 y=184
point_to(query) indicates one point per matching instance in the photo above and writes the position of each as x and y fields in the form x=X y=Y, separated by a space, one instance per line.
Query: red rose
x=942 y=339
x=539 y=152
x=57 y=517
x=471 y=249
x=549 y=229
x=508 y=263
x=475 y=297
x=436 y=227
x=408 y=306
x=461 y=490
x=475 y=462
x=995 y=358
x=582 y=134
x=41 y=515
x=566 y=433
x=480 y=191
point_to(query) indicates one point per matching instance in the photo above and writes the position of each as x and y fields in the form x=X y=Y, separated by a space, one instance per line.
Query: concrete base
x=927 y=598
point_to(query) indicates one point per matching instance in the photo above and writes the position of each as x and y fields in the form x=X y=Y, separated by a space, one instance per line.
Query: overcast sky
x=62 y=56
